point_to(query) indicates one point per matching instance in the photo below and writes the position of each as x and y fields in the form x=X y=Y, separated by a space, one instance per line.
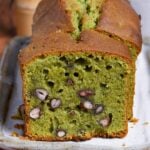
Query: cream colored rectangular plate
x=138 y=136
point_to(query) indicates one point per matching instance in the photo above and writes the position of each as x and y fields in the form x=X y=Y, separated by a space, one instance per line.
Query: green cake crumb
x=76 y=94
x=84 y=14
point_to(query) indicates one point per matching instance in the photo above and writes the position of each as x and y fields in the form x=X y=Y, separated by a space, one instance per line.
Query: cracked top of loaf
x=93 y=29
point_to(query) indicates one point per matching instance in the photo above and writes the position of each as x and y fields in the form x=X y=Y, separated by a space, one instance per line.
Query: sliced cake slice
x=75 y=91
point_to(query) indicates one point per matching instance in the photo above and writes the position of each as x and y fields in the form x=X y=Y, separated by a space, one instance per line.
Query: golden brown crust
x=120 y=19
x=51 y=16
x=117 y=18
x=60 y=42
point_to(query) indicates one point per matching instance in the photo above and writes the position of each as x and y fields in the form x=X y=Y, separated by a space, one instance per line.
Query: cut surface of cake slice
x=75 y=91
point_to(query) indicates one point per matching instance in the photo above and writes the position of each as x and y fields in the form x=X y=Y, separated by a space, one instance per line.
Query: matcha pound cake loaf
x=78 y=79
